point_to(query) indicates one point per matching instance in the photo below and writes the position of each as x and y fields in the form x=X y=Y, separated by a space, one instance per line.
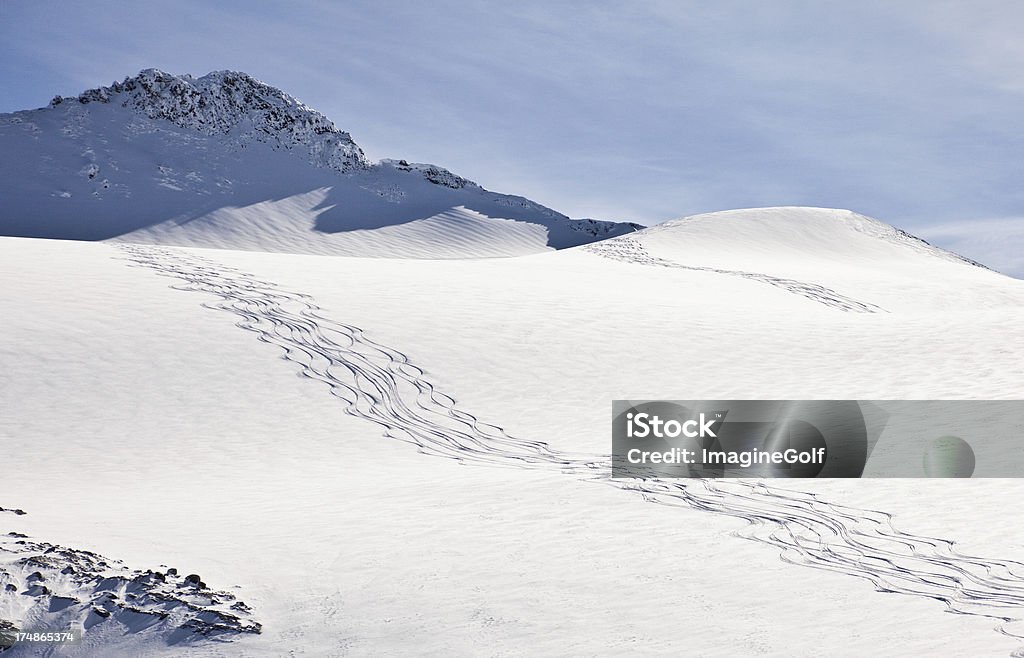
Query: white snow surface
x=227 y=161
x=148 y=415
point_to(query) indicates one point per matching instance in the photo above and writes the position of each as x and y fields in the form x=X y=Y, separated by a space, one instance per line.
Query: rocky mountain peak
x=234 y=104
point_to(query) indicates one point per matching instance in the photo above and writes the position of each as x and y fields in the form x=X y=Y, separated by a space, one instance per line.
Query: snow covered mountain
x=227 y=161
x=241 y=453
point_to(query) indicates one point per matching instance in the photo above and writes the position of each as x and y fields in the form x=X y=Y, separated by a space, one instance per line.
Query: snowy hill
x=792 y=236
x=356 y=509
x=835 y=257
x=227 y=161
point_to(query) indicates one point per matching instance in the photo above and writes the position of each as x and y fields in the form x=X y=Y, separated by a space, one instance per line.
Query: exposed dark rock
x=83 y=588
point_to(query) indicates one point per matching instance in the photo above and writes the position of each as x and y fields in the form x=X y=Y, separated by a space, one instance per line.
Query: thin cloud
x=998 y=243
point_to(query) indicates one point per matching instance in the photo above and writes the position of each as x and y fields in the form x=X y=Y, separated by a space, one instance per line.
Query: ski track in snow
x=629 y=250
x=382 y=385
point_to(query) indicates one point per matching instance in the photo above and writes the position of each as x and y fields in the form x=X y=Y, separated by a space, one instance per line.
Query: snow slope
x=227 y=161
x=432 y=482
x=867 y=265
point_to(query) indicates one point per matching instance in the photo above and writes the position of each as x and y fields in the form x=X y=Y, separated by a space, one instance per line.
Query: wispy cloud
x=998 y=243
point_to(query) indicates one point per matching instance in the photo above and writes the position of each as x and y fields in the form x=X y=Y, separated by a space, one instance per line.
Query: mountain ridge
x=172 y=158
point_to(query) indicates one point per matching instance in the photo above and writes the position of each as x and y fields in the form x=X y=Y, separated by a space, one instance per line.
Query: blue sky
x=909 y=112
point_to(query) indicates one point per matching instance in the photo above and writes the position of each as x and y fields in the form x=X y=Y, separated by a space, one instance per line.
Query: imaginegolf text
x=743 y=459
